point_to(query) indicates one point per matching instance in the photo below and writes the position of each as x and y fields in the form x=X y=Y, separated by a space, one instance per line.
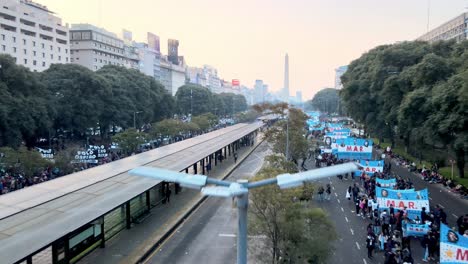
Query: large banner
x=453 y=246
x=371 y=166
x=416 y=230
x=413 y=200
x=386 y=183
x=353 y=148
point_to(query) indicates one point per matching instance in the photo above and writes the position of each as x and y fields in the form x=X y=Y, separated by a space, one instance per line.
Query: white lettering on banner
x=373 y=169
x=409 y=204
x=345 y=148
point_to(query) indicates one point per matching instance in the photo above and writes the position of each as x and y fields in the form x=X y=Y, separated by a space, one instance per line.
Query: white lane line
x=365 y=262
x=454 y=215
x=441 y=206
x=333 y=188
x=357 y=245
x=352 y=231
x=430 y=198
x=227 y=235
x=346 y=218
x=338 y=200
x=336 y=195
x=342 y=210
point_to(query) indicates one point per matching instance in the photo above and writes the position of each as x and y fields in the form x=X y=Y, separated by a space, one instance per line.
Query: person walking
x=235 y=157
x=168 y=195
x=425 y=245
x=328 y=191
x=320 y=193
x=348 y=193
x=370 y=244
x=385 y=222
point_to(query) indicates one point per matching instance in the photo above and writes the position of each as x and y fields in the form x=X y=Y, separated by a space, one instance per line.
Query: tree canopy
x=413 y=90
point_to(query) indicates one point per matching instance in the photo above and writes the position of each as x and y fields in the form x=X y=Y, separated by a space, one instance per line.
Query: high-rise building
x=299 y=96
x=95 y=47
x=259 y=92
x=172 y=76
x=455 y=28
x=286 y=79
x=173 y=51
x=32 y=34
x=338 y=73
x=154 y=42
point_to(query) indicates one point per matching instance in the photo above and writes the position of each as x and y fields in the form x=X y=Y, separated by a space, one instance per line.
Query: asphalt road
x=209 y=234
x=351 y=229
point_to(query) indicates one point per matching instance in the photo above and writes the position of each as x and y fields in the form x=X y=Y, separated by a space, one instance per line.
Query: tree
x=194 y=99
x=23 y=161
x=295 y=234
x=129 y=140
x=326 y=100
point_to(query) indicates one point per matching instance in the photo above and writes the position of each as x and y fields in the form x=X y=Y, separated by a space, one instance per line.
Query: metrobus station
x=62 y=220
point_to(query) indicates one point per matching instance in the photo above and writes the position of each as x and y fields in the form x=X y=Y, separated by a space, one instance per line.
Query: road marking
x=338 y=200
x=357 y=245
x=342 y=210
x=430 y=198
x=352 y=232
x=365 y=262
x=454 y=215
x=346 y=218
x=336 y=195
x=333 y=188
x=227 y=235
x=441 y=206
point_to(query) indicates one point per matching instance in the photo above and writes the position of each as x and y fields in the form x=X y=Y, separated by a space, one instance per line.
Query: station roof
x=34 y=217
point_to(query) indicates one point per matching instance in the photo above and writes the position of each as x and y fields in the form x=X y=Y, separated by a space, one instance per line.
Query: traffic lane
x=438 y=195
x=348 y=248
x=209 y=234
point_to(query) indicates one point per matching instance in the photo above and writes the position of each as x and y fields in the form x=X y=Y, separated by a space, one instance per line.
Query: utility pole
x=287 y=136
x=191 y=103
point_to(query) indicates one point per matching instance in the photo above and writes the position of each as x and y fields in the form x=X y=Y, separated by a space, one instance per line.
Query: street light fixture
x=134 y=118
x=240 y=189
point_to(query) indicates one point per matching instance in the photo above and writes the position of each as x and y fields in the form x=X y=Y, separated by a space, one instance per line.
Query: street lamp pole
x=191 y=103
x=134 y=118
x=240 y=189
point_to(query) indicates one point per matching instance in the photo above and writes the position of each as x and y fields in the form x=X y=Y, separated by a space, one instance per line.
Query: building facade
x=94 y=47
x=172 y=76
x=455 y=28
x=33 y=35
x=338 y=73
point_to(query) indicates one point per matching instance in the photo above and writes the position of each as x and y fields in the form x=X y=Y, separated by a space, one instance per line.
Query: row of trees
x=413 y=90
x=295 y=232
x=69 y=99
x=326 y=100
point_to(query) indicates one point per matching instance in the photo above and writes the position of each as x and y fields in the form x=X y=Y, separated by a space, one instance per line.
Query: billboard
x=235 y=82
x=173 y=51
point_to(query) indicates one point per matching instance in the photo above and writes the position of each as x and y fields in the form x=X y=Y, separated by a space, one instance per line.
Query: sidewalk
x=130 y=244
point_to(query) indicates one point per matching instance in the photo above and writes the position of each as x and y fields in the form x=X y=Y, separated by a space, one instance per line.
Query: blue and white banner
x=386 y=183
x=416 y=230
x=353 y=148
x=453 y=246
x=371 y=166
x=411 y=199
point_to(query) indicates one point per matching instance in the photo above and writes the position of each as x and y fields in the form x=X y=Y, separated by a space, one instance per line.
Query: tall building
x=149 y=61
x=173 y=51
x=94 y=47
x=259 y=92
x=32 y=34
x=299 y=96
x=153 y=42
x=172 y=76
x=338 y=73
x=455 y=28
x=286 y=79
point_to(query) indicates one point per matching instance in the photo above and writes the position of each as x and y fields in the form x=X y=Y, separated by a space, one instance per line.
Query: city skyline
x=319 y=35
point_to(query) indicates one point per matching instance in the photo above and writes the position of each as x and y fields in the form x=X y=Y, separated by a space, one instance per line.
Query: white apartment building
x=149 y=60
x=95 y=47
x=172 y=76
x=456 y=28
x=32 y=34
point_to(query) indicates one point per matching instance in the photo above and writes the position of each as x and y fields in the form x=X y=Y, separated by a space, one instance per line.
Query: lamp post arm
x=261 y=183
x=218 y=182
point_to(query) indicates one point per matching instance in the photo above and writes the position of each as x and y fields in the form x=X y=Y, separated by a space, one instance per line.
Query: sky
x=248 y=39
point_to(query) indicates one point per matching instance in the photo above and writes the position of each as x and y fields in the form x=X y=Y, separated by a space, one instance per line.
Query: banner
x=372 y=166
x=46 y=153
x=353 y=148
x=386 y=183
x=453 y=246
x=416 y=230
x=411 y=199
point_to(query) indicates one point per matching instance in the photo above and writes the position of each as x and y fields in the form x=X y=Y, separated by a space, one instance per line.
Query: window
x=24 y=42
x=66 y=51
x=25 y=52
x=14 y=39
x=60 y=58
x=95 y=60
x=43 y=55
x=14 y=50
x=59 y=49
x=100 y=61
x=34 y=43
x=51 y=47
x=34 y=62
x=25 y=61
x=43 y=46
x=3 y=36
x=3 y=47
x=43 y=64
x=66 y=59
x=34 y=53
x=71 y=59
x=52 y=56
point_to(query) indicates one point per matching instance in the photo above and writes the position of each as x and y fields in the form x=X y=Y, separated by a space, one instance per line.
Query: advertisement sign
x=453 y=246
x=153 y=42
x=235 y=82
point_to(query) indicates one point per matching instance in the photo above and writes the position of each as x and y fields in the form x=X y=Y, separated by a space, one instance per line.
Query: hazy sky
x=247 y=39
